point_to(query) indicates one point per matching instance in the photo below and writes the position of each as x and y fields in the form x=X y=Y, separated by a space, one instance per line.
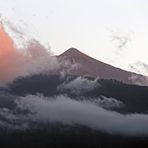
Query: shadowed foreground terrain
x=58 y=136
x=32 y=113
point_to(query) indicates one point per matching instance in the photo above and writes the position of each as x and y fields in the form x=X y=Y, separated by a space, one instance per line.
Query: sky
x=113 y=31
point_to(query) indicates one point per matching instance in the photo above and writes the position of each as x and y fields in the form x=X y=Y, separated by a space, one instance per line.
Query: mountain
x=80 y=64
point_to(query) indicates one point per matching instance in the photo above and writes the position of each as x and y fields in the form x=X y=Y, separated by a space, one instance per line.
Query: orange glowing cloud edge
x=14 y=63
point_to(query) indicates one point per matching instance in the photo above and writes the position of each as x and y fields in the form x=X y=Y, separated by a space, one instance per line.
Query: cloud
x=67 y=66
x=34 y=58
x=139 y=67
x=11 y=121
x=121 y=40
x=107 y=103
x=139 y=80
x=68 y=111
x=79 y=85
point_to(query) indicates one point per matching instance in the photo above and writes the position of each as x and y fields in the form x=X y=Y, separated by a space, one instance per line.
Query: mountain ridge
x=80 y=64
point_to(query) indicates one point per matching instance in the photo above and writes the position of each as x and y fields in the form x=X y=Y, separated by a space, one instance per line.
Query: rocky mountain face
x=77 y=63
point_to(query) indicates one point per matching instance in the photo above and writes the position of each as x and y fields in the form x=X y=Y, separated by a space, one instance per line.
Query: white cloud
x=68 y=111
x=79 y=85
x=139 y=80
x=108 y=103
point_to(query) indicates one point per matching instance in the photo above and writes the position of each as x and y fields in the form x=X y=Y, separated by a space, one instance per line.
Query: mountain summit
x=73 y=53
x=81 y=64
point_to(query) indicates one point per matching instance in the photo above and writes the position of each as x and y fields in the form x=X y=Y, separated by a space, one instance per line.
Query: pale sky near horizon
x=86 y=25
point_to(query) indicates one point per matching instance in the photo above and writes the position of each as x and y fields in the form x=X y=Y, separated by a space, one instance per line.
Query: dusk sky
x=114 y=31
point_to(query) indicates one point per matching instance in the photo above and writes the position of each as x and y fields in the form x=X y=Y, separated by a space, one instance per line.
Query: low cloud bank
x=65 y=110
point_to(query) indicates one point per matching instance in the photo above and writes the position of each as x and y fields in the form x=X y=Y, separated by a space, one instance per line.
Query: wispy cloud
x=139 y=67
x=121 y=40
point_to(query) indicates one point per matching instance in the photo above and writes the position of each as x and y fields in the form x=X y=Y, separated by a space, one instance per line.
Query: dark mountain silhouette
x=134 y=97
x=80 y=64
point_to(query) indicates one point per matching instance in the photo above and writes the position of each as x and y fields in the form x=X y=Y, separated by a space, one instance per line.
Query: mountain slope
x=81 y=64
